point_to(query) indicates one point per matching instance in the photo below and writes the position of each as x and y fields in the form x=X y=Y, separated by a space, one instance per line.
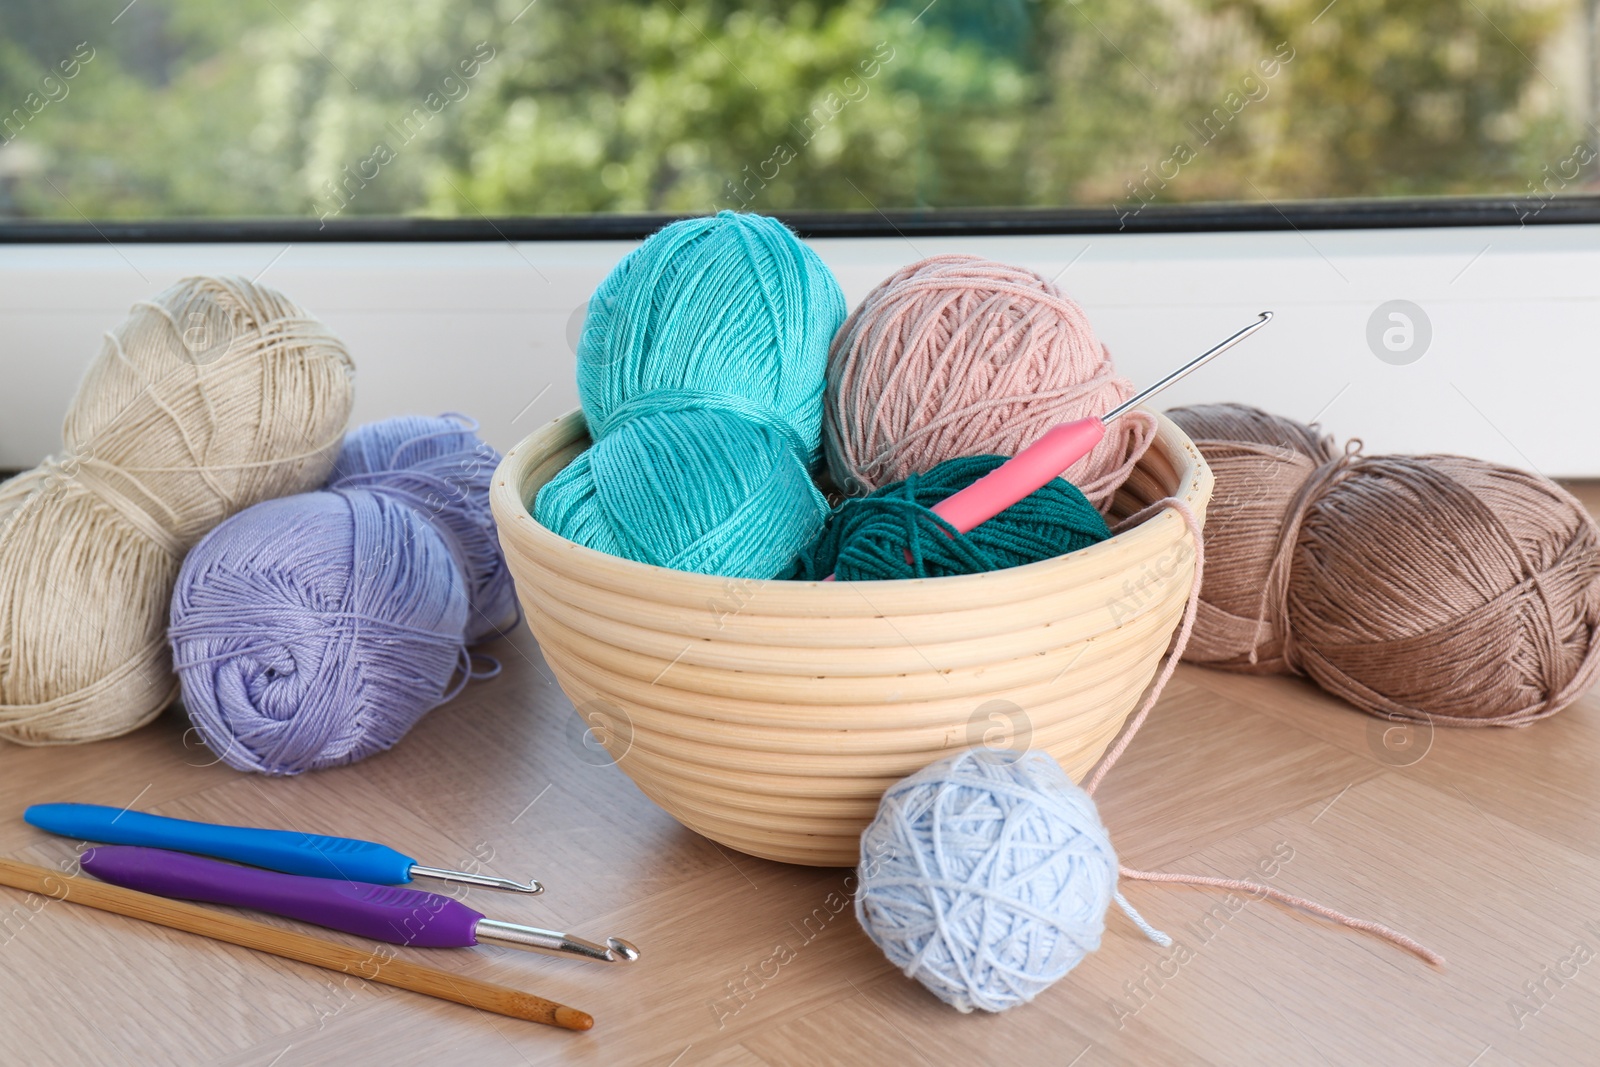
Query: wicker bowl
x=771 y=716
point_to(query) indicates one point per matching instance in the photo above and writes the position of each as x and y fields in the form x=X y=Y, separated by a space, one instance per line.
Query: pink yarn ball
x=961 y=356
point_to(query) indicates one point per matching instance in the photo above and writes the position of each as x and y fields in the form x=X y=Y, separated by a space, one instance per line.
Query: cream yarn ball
x=217 y=394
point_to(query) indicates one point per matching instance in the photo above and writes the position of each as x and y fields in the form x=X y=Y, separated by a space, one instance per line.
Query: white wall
x=1510 y=373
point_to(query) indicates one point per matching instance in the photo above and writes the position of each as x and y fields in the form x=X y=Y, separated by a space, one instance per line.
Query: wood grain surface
x=1483 y=844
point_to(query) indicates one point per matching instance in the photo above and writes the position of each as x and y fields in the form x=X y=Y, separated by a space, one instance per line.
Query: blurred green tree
x=332 y=108
x=1410 y=97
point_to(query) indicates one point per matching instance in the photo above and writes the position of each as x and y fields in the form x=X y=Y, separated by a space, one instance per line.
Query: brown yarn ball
x=962 y=356
x=1426 y=588
x=215 y=395
x=1260 y=462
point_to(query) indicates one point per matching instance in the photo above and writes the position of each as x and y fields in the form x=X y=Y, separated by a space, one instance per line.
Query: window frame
x=1218 y=217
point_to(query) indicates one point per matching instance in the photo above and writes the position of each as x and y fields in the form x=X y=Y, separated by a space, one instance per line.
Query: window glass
x=337 y=108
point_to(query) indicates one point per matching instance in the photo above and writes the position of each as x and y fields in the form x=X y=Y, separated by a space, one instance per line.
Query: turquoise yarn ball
x=701 y=490
x=986 y=877
x=868 y=538
x=729 y=305
x=701 y=368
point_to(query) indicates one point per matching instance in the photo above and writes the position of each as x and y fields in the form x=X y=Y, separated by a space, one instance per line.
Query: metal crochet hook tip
x=626 y=951
x=553 y=943
x=1188 y=368
x=532 y=886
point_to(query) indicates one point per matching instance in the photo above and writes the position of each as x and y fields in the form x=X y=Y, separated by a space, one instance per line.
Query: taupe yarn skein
x=1427 y=588
x=213 y=396
x=1260 y=462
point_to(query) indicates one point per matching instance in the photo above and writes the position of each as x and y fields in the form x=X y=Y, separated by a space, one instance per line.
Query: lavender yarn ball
x=442 y=469
x=315 y=630
x=986 y=877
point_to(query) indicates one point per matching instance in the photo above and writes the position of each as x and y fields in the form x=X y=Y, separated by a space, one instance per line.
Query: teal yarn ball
x=701 y=368
x=986 y=877
x=728 y=305
x=699 y=490
x=867 y=538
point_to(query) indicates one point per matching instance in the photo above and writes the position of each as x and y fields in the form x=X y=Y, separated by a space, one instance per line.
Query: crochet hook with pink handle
x=1059 y=448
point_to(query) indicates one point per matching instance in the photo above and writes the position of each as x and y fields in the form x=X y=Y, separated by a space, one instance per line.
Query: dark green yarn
x=866 y=538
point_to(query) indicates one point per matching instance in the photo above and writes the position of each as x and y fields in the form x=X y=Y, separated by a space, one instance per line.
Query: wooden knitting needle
x=292 y=945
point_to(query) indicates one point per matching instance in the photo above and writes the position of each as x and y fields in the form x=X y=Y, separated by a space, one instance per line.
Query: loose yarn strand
x=101 y=488
x=1109 y=760
x=1159 y=937
x=1180 y=641
x=1387 y=933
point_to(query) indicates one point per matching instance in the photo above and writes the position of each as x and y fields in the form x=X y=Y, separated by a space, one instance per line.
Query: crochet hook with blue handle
x=289 y=851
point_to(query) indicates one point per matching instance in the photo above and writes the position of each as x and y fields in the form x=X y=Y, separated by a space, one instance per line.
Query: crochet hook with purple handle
x=381 y=912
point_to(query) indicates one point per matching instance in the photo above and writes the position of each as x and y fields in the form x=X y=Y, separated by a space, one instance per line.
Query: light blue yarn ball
x=442 y=469
x=732 y=305
x=986 y=877
x=314 y=630
x=700 y=490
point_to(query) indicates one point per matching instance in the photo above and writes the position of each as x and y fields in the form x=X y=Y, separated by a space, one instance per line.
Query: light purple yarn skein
x=441 y=468
x=315 y=630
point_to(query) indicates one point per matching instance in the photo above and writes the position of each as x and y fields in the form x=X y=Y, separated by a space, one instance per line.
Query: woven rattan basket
x=771 y=716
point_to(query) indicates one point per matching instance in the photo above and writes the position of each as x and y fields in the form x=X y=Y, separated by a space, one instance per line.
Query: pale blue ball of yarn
x=986 y=877
x=442 y=469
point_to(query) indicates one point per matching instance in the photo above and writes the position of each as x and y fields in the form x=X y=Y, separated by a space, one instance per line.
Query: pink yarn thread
x=1174 y=652
x=960 y=356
